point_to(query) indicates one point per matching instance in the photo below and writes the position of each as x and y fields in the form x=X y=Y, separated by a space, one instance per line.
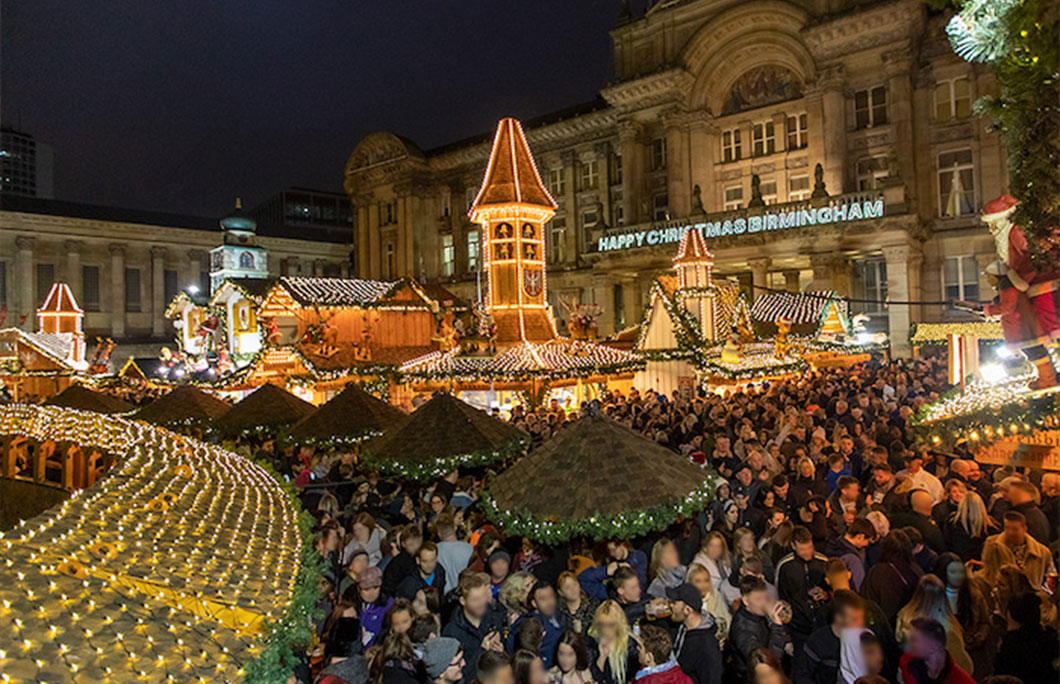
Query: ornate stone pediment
x=671 y=85
x=885 y=25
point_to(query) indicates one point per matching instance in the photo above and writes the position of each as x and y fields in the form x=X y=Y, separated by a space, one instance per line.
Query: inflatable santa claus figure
x=1039 y=290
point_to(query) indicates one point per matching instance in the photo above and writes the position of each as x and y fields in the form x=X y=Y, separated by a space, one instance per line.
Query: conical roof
x=85 y=399
x=267 y=406
x=183 y=404
x=351 y=416
x=511 y=175
x=443 y=434
x=693 y=248
x=598 y=479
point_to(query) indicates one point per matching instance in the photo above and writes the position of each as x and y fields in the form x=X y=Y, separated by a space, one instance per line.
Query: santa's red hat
x=996 y=208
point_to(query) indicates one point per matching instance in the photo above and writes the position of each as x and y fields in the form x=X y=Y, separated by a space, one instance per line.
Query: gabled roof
x=52 y=347
x=352 y=415
x=511 y=175
x=266 y=406
x=800 y=308
x=84 y=399
x=693 y=248
x=183 y=404
x=59 y=300
x=337 y=291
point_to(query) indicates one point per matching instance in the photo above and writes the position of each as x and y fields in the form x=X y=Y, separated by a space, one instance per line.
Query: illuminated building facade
x=718 y=116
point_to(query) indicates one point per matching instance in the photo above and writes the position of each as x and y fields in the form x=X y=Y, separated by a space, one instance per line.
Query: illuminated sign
x=854 y=209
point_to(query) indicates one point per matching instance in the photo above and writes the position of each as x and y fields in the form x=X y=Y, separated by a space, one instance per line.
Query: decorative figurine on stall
x=272 y=331
x=207 y=332
x=487 y=328
x=224 y=362
x=782 y=346
x=732 y=352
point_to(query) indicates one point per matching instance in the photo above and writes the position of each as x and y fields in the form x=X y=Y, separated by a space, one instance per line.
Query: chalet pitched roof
x=268 y=405
x=59 y=300
x=337 y=291
x=511 y=175
x=800 y=308
x=557 y=359
x=84 y=399
x=351 y=416
x=693 y=248
x=183 y=404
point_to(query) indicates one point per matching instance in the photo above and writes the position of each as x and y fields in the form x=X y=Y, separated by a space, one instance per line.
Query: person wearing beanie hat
x=444 y=660
x=374 y=603
x=498 y=565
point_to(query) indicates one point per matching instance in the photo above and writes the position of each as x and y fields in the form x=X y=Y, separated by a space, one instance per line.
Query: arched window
x=246 y=260
x=761 y=86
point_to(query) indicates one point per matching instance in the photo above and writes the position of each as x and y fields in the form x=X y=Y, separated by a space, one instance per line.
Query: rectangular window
x=956 y=184
x=616 y=169
x=90 y=288
x=733 y=197
x=660 y=207
x=618 y=213
x=557 y=240
x=618 y=298
x=473 y=242
x=798 y=188
x=768 y=188
x=873 y=280
x=590 y=174
x=730 y=145
x=448 y=254
x=557 y=182
x=953 y=99
x=658 y=154
x=798 y=127
x=132 y=289
x=390 y=260
x=45 y=279
x=870 y=107
x=960 y=278
x=387 y=213
x=871 y=171
x=763 y=138
x=169 y=286
x=204 y=281
x=589 y=218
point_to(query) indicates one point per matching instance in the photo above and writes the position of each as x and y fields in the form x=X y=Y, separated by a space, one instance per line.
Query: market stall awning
x=267 y=407
x=596 y=479
x=440 y=436
x=84 y=399
x=351 y=416
x=183 y=404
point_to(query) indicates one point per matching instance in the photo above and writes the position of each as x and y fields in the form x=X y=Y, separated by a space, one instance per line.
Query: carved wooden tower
x=695 y=287
x=512 y=206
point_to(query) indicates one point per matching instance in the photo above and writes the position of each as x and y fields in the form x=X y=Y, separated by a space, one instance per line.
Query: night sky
x=180 y=106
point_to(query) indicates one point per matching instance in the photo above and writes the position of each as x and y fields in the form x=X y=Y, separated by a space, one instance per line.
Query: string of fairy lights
x=168 y=568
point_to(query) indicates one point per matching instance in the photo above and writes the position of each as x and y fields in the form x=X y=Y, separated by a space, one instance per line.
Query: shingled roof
x=593 y=477
x=511 y=175
x=337 y=291
x=268 y=406
x=351 y=416
x=442 y=435
x=183 y=404
x=84 y=399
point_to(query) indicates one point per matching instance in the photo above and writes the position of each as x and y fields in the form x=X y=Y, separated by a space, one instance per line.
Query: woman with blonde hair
x=514 y=593
x=715 y=557
x=995 y=557
x=617 y=658
x=967 y=528
x=714 y=608
x=930 y=601
x=664 y=570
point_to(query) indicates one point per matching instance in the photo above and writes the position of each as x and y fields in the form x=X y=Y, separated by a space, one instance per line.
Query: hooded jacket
x=698 y=653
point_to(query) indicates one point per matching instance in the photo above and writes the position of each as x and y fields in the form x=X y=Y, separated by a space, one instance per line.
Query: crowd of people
x=839 y=549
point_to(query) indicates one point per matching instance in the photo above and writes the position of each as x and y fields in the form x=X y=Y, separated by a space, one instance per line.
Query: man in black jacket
x=817 y=662
x=801 y=582
x=756 y=624
x=695 y=644
x=476 y=625
x=919 y=516
x=428 y=573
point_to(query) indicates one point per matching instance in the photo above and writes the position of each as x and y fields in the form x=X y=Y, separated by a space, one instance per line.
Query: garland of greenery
x=421 y=471
x=623 y=525
x=293 y=632
x=1020 y=40
x=1017 y=417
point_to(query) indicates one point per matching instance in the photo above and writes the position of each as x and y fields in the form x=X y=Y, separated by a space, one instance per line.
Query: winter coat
x=408 y=587
x=795 y=578
x=915 y=672
x=852 y=557
x=667 y=673
x=554 y=629
x=470 y=636
x=372 y=617
x=1030 y=654
x=668 y=579
x=961 y=542
x=890 y=585
x=1037 y=524
x=817 y=662
x=698 y=654
x=931 y=533
x=1037 y=564
x=748 y=632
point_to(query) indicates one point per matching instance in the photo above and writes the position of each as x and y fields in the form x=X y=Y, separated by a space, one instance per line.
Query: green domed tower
x=239 y=256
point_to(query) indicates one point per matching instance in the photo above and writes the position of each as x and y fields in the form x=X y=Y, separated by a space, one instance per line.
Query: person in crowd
x=399 y=618
x=571 y=660
x=764 y=667
x=356 y=564
x=926 y=660
x=920 y=478
x=495 y=667
x=879 y=489
x=443 y=660
x=838 y=578
x=745 y=548
x=919 y=518
x=715 y=610
x=476 y=625
x=428 y=573
x=930 y=601
x=343 y=655
x=373 y=604
x=715 y=557
x=955 y=489
x=1024 y=497
x=514 y=595
x=409 y=540
x=966 y=529
x=800 y=582
x=1032 y=557
x=892 y=580
x=695 y=645
x=757 y=624
x=1030 y=651
x=527 y=668
x=616 y=659
x=498 y=565
x=850 y=548
x=655 y=653
x=665 y=569
x=453 y=555
x=817 y=662
x=365 y=532
x=968 y=598
x=1050 y=504
x=426 y=601
x=544 y=608
x=576 y=606
x=395 y=661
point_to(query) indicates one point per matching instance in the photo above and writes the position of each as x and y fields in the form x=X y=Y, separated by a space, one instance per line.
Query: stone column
x=702 y=143
x=791 y=281
x=678 y=186
x=821 y=263
x=604 y=296
x=833 y=129
x=574 y=242
x=197 y=259
x=158 y=291
x=632 y=170
x=375 y=249
x=759 y=275
x=117 y=290
x=27 y=306
x=603 y=183
x=903 y=284
x=898 y=66
x=72 y=275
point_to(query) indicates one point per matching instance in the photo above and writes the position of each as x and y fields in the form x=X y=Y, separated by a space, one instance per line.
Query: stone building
x=718 y=114
x=123 y=266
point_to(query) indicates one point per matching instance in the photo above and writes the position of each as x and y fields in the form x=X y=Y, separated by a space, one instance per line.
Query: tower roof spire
x=693 y=249
x=511 y=175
